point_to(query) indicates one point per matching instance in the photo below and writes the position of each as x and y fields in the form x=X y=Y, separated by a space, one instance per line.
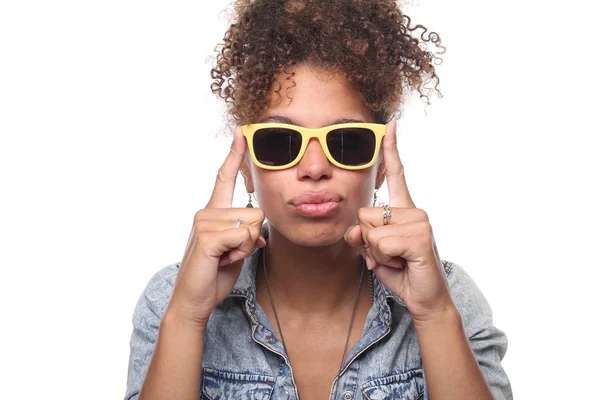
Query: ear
x=380 y=173
x=245 y=170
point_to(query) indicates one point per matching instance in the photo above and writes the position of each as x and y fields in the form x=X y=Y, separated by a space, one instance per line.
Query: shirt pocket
x=225 y=385
x=409 y=385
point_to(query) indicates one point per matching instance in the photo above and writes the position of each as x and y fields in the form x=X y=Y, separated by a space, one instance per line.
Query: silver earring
x=376 y=201
x=249 y=205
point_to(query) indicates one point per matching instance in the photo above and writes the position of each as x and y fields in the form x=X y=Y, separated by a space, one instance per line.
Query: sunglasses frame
x=308 y=133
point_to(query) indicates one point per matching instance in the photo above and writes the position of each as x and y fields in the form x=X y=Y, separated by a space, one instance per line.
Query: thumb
x=353 y=236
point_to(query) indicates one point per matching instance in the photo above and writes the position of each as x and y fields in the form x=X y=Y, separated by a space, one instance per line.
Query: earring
x=249 y=205
x=376 y=201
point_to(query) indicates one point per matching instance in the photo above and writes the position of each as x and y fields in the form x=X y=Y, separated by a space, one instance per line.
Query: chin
x=314 y=234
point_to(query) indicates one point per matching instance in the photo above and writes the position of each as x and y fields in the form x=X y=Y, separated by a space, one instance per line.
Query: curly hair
x=370 y=41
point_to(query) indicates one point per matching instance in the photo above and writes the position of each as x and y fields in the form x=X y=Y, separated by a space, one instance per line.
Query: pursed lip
x=316 y=204
x=323 y=196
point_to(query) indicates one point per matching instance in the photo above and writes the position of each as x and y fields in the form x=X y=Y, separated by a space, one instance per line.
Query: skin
x=314 y=263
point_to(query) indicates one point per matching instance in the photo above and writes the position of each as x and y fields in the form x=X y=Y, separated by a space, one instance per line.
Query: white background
x=111 y=139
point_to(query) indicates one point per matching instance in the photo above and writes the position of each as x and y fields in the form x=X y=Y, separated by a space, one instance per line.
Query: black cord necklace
x=362 y=270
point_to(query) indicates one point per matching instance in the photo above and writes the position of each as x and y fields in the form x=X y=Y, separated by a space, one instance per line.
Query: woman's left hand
x=403 y=253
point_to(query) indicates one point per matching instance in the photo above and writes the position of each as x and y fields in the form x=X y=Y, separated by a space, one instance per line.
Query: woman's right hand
x=216 y=248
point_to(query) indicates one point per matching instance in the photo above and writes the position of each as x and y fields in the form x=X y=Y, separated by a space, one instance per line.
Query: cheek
x=367 y=193
x=360 y=186
x=267 y=185
x=365 y=180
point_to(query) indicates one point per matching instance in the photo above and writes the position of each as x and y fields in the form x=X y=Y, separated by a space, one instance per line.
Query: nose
x=314 y=163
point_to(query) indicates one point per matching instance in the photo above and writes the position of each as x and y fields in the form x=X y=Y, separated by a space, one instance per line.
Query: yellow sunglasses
x=277 y=146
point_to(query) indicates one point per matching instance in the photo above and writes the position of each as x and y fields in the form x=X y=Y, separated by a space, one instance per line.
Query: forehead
x=314 y=97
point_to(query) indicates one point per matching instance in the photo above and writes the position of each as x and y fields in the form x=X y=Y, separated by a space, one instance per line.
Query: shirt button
x=270 y=339
x=347 y=395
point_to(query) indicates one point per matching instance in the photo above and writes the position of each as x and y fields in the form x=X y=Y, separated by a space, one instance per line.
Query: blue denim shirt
x=244 y=359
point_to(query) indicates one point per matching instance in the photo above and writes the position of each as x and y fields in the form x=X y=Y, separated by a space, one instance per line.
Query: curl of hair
x=371 y=42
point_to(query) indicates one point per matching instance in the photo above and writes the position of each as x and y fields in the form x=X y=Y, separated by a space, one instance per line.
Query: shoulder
x=474 y=308
x=163 y=280
x=158 y=290
x=462 y=286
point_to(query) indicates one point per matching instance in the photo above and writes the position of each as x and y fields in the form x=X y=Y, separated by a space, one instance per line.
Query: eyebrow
x=286 y=120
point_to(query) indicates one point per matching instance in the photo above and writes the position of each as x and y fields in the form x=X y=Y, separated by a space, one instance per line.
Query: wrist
x=446 y=317
x=175 y=318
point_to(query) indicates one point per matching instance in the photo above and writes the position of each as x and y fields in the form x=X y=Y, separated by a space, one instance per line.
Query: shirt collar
x=246 y=283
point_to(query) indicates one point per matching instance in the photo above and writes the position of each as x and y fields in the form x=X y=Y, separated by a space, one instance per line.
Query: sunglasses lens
x=276 y=146
x=351 y=146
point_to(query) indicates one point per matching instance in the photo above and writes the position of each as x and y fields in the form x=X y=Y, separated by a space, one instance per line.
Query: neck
x=319 y=279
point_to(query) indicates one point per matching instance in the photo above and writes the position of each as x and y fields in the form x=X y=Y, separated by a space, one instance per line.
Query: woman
x=334 y=297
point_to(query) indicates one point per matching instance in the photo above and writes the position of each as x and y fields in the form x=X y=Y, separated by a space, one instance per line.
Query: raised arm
x=398 y=245
x=220 y=239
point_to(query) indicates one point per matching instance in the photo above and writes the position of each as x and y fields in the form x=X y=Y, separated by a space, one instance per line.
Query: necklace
x=362 y=270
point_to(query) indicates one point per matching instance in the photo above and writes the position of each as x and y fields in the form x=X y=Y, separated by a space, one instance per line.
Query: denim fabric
x=244 y=360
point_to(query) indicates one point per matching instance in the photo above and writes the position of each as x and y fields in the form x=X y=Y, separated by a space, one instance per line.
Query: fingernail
x=350 y=233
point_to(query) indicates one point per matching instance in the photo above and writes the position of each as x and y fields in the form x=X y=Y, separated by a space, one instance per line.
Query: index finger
x=222 y=194
x=394 y=170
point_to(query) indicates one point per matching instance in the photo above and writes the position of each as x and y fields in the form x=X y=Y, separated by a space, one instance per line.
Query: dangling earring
x=249 y=205
x=375 y=197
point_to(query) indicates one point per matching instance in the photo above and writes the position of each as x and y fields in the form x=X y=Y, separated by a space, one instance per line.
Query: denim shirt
x=244 y=359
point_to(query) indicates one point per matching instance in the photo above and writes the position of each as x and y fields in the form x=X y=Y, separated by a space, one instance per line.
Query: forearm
x=451 y=370
x=174 y=372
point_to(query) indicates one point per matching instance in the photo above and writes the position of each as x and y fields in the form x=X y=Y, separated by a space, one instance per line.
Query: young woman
x=334 y=297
